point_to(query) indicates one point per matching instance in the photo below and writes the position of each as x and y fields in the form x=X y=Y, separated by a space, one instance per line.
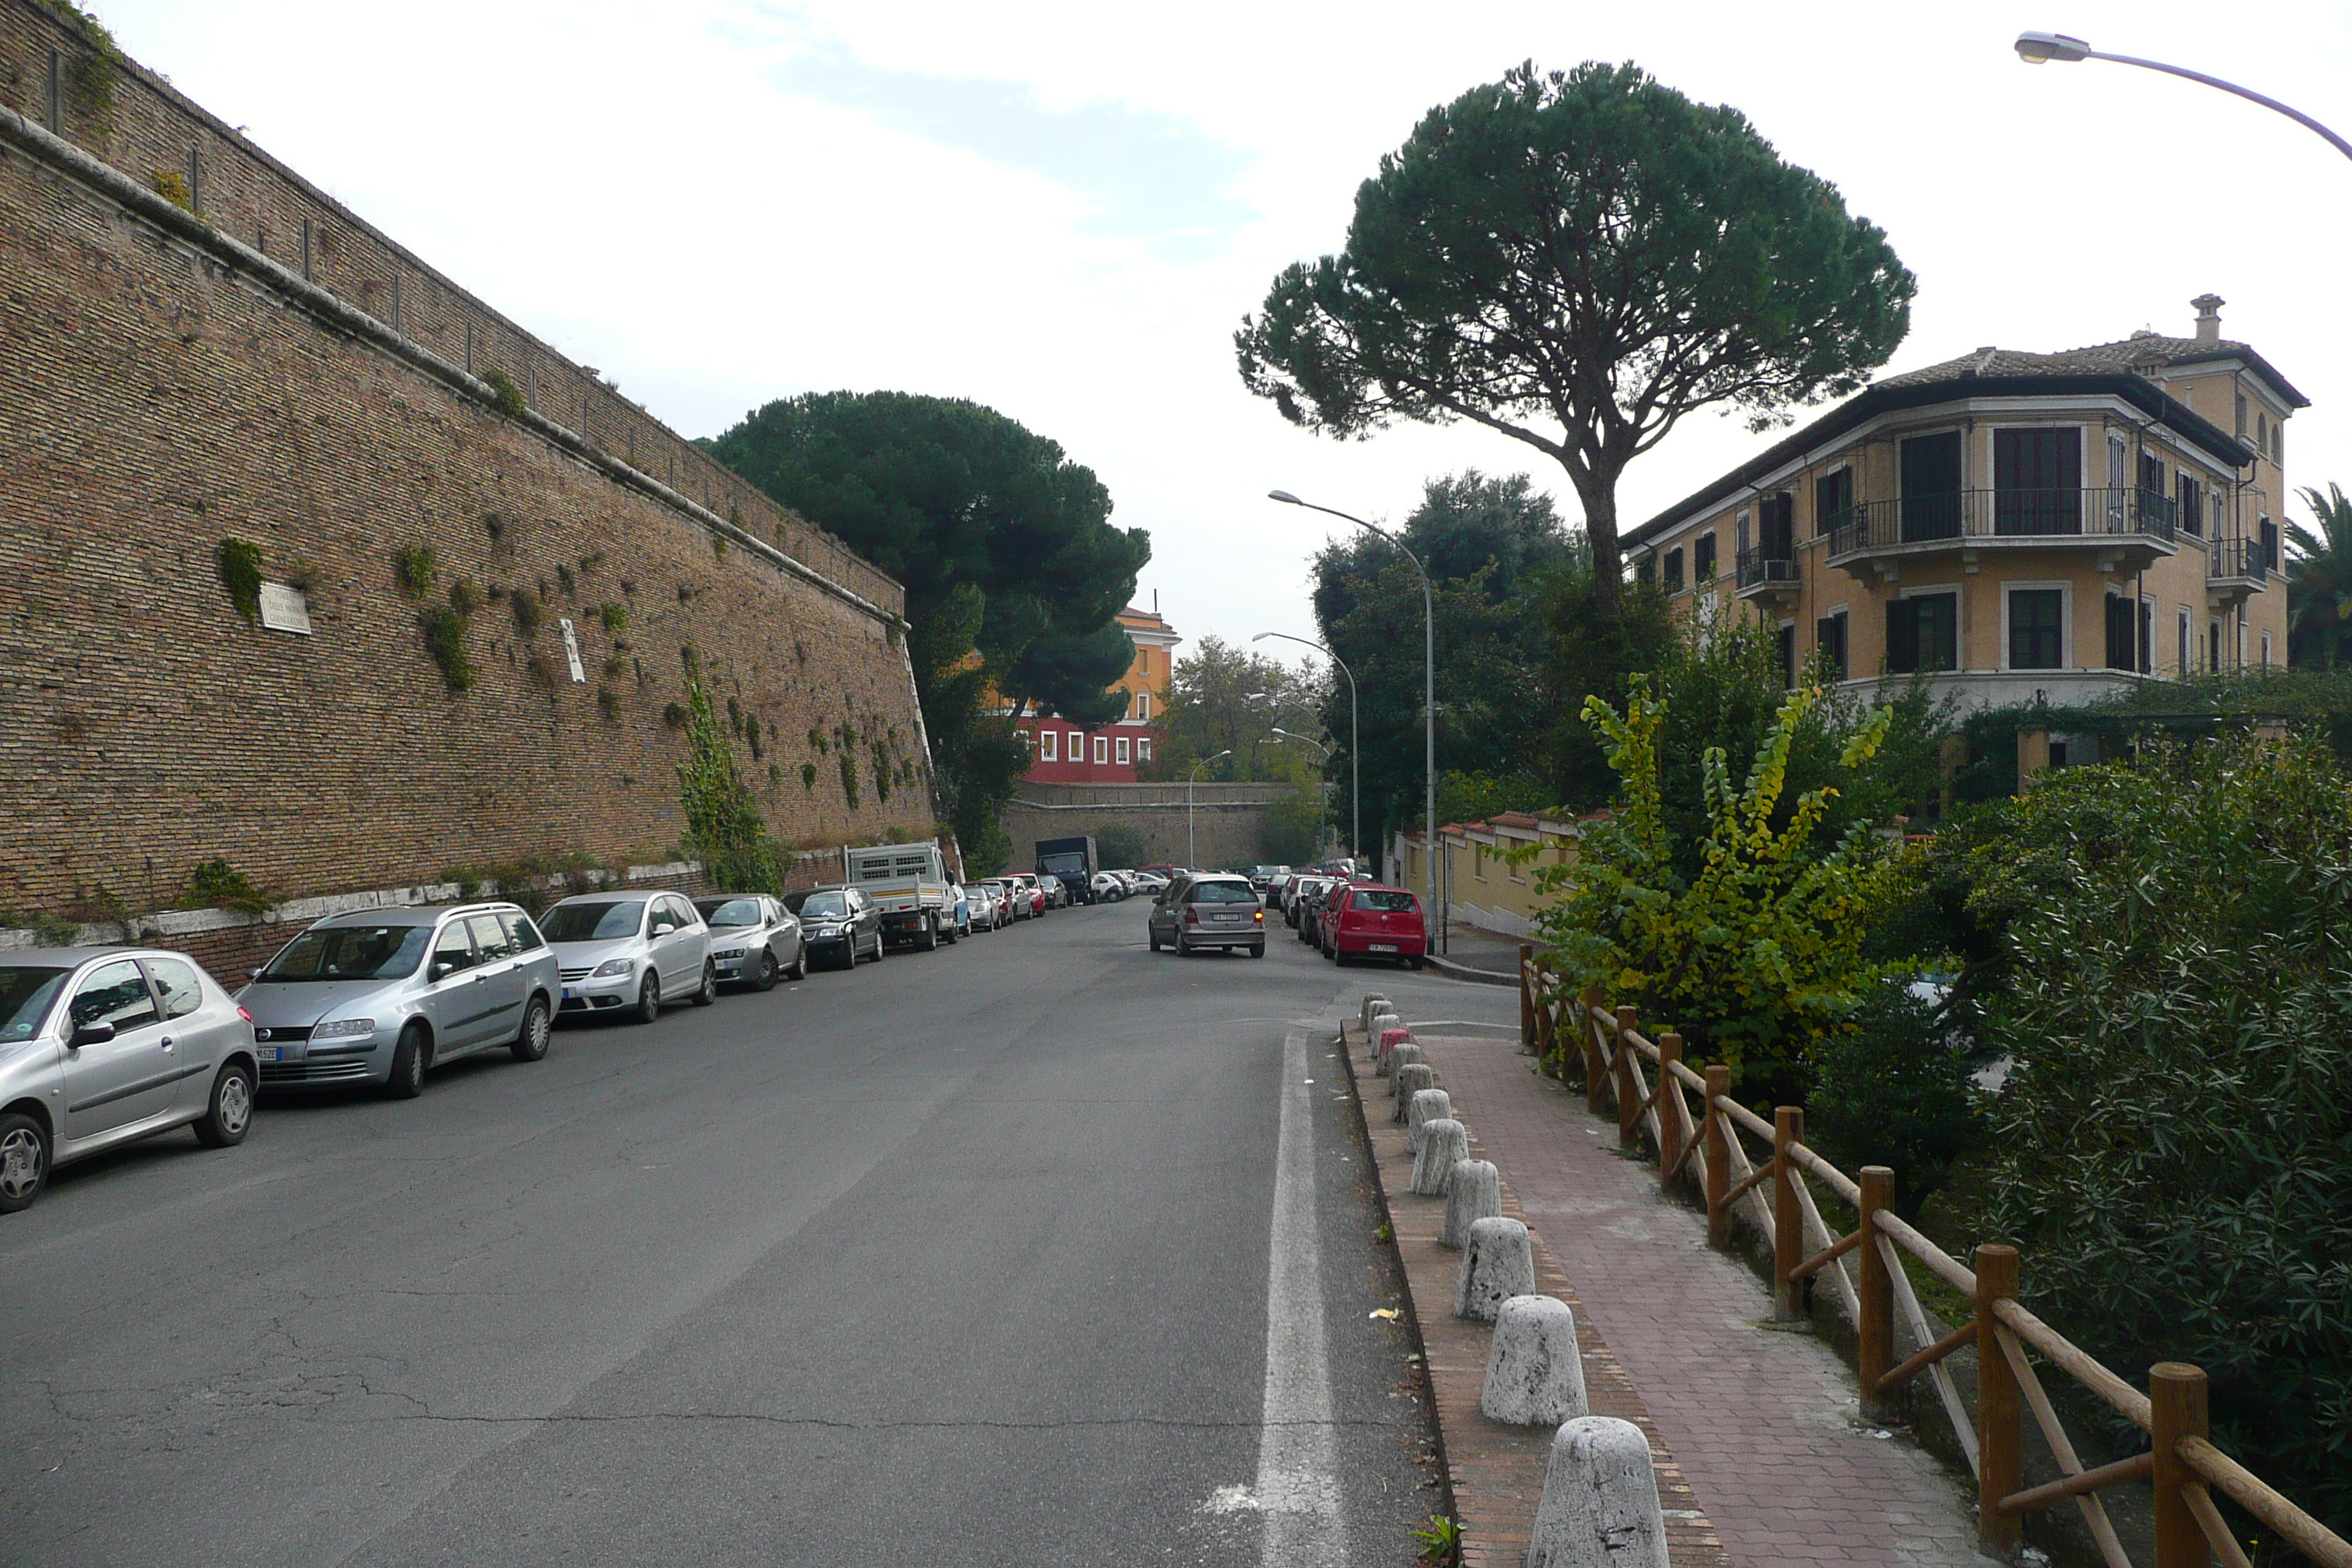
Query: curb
x=1464 y=971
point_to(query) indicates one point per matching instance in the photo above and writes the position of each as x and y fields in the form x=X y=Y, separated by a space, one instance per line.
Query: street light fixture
x=1308 y=740
x=1191 y=850
x=1355 y=768
x=2042 y=48
x=1428 y=689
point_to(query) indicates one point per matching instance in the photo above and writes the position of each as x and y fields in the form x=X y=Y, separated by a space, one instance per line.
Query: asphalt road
x=1040 y=1249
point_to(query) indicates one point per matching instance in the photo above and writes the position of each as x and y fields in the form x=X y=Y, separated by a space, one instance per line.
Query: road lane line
x=1298 y=1459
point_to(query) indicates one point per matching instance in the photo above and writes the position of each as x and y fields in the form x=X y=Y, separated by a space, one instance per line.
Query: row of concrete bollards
x=1600 y=1507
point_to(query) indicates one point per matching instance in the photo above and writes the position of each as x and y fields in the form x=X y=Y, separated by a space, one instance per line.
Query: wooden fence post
x=1718 y=1157
x=1788 y=1220
x=1629 y=1099
x=2001 y=1464
x=1596 y=1071
x=1526 y=996
x=1877 y=1291
x=2175 y=1394
x=1670 y=1103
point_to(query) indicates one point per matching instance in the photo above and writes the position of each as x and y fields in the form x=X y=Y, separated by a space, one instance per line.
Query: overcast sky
x=1062 y=210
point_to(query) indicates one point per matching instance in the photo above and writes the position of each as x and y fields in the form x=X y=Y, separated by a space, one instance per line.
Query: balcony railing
x=1759 y=567
x=1960 y=515
x=2236 y=558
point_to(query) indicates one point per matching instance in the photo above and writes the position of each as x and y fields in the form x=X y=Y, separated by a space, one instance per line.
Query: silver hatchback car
x=377 y=996
x=629 y=952
x=101 y=1046
x=754 y=940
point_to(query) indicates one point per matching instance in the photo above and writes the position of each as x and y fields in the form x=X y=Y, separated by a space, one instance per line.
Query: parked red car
x=1366 y=920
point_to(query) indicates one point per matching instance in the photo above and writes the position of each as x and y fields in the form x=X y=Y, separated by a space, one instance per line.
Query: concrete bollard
x=1428 y=1105
x=1534 y=1372
x=1381 y=1023
x=1472 y=1192
x=1400 y=1057
x=1411 y=1080
x=1600 y=1507
x=1445 y=1142
x=1373 y=1002
x=1382 y=1054
x=1497 y=1264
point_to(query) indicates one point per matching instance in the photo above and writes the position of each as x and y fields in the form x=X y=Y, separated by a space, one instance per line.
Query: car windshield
x=729 y=911
x=823 y=906
x=1222 y=893
x=24 y=998
x=351 y=953
x=600 y=921
x=1062 y=865
x=1388 y=904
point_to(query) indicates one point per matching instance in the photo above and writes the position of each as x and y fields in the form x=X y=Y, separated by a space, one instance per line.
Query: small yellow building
x=2016 y=525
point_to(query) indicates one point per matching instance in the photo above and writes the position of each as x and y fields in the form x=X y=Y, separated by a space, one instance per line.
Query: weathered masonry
x=310 y=561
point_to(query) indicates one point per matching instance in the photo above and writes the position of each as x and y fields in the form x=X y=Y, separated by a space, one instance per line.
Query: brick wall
x=1226 y=824
x=161 y=390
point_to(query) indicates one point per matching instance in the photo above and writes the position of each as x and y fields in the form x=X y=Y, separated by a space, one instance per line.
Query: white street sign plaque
x=283 y=608
x=572 y=652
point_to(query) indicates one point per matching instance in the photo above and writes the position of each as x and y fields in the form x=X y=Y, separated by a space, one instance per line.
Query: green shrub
x=849 y=779
x=808 y=777
x=415 y=569
x=445 y=639
x=2173 y=1147
x=608 y=703
x=505 y=393
x=615 y=617
x=239 y=561
x=724 y=829
x=675 y=715
x=464 y=596
x=1120 y=844
x=217 y=885
x=1897 y=1088
x=173 y=186
x=528 y=612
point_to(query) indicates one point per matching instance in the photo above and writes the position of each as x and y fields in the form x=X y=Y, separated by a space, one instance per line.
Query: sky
x=1063 y=211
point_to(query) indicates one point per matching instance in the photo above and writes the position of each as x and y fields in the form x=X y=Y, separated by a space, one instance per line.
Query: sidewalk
x=1763 y=1422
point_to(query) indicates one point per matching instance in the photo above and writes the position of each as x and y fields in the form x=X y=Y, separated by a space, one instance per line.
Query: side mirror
x=438 y=970
x=97 y=1032
x=664 y=929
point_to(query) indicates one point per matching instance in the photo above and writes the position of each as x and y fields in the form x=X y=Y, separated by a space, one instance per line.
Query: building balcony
x=2127 y=527
x=2234 y=568
x=1768 y=573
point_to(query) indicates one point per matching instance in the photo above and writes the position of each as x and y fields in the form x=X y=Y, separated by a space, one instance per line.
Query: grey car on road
x=101 y=1046
x=629 y=952
x=1203 y=911
x=754 y=940
x=379 y=997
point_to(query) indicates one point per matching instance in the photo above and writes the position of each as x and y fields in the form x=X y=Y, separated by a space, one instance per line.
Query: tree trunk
x=1599 y=494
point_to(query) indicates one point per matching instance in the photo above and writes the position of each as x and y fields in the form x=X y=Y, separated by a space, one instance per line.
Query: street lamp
x=2042 y=48
x=1428 y=687
x=1355 y=769
x=1191 y=850
x=1308 y=740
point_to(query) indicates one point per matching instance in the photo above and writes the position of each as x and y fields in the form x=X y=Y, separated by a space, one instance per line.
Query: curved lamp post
x=1428 y=688
x=1192 y=851
x=1355 y=768
x=2044 y=49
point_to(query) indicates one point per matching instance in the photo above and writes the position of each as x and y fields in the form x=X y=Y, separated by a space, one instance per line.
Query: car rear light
x=244 y=1015
x=1192 y=916
x=1259 y=917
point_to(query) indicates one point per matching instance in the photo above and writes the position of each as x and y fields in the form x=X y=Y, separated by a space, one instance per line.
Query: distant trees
x=2319 y=583
x=1578 y=261
x=1209 y=709
x=1015 y=576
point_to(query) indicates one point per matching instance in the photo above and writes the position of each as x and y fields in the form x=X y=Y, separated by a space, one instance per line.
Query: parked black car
x=840 y=925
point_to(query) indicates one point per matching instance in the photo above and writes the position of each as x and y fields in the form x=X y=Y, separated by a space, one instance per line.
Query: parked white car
x=101 y=1046
x=631 y=951
x=1107 y=887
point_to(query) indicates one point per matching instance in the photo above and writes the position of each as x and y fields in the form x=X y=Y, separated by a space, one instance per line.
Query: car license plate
x=1380 y=947
x=264 y=1053
x=572 y=993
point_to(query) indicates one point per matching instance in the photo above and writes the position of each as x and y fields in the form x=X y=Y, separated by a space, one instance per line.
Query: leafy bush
x=1897 y=1088
x=528 y=612
x=445 y=639
x=217 y=885
x=239 y=561
x=415 y=569
x=724 y=828
x=505 y=393
x=1757 y=955
x=464 y=596
x=1120 y=844
x=2174 y=1139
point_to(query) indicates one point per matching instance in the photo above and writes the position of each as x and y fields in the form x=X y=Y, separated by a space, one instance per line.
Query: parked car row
x=99 y=1046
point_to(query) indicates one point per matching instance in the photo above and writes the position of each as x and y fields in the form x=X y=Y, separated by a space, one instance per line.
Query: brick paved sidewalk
x=1765 y=1422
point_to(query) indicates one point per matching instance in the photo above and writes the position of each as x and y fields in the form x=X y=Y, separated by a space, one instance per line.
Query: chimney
x=2209 y=319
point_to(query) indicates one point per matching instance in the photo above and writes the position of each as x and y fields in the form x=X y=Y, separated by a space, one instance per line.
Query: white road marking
x=1298 y=1459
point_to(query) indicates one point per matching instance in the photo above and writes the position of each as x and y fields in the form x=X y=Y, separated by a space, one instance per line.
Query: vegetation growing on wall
x=506 y=395
x=173 y=186
x=849 y=779
x=724 y=828
x=415 y=569
x=445 y=639
x=239 y=561
x=217 y=885
x=528 y=612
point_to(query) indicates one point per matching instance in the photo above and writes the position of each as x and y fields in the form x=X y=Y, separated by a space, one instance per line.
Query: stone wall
x=1227 y=822
x=166 y=386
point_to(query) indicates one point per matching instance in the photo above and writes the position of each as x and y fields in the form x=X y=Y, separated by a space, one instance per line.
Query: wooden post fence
x=1876 y=1331
x=1670 y=1102
x=1596 y=1072
x=1628 y=1098
x=1718 y=1157
x=2175 y=1397
x=1788 y=1221
x=1527 y=998
x=2001 y=1465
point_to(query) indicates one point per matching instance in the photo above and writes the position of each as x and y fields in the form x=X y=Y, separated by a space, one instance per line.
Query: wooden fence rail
x=1706 y=1147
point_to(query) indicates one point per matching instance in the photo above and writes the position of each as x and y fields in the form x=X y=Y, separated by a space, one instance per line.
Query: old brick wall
x=158 y=394
x=1225 y=826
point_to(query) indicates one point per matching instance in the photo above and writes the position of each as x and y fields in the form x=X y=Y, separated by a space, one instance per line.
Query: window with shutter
x=2037 y=628
x=1703 y=559
x=1931 y=486
x=2037 y=479
x=1833 y=502
x=1675 y=569
x=1829 y=637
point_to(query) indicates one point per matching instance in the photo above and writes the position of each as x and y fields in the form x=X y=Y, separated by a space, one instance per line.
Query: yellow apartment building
x=2014 y=524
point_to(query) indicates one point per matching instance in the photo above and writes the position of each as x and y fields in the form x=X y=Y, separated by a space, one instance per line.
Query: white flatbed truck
x=908 y=883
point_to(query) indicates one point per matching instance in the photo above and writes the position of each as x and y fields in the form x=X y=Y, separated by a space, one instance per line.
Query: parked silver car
x=379 y=997
x=754 y=940
x=101 y=1046
x=627 y=951
x=982 y=902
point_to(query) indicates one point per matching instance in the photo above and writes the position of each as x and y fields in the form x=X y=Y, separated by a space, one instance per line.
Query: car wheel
x=707 y=991
x=409 y=1060
x=1155 y=940
x=24 y=1160
x=930 y=938
x=537 y=1022
x=1417 y=963
x=799 y=970
x=229 y=1113
x=767 y=977
x=648 y=1005
x=1258 y=950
